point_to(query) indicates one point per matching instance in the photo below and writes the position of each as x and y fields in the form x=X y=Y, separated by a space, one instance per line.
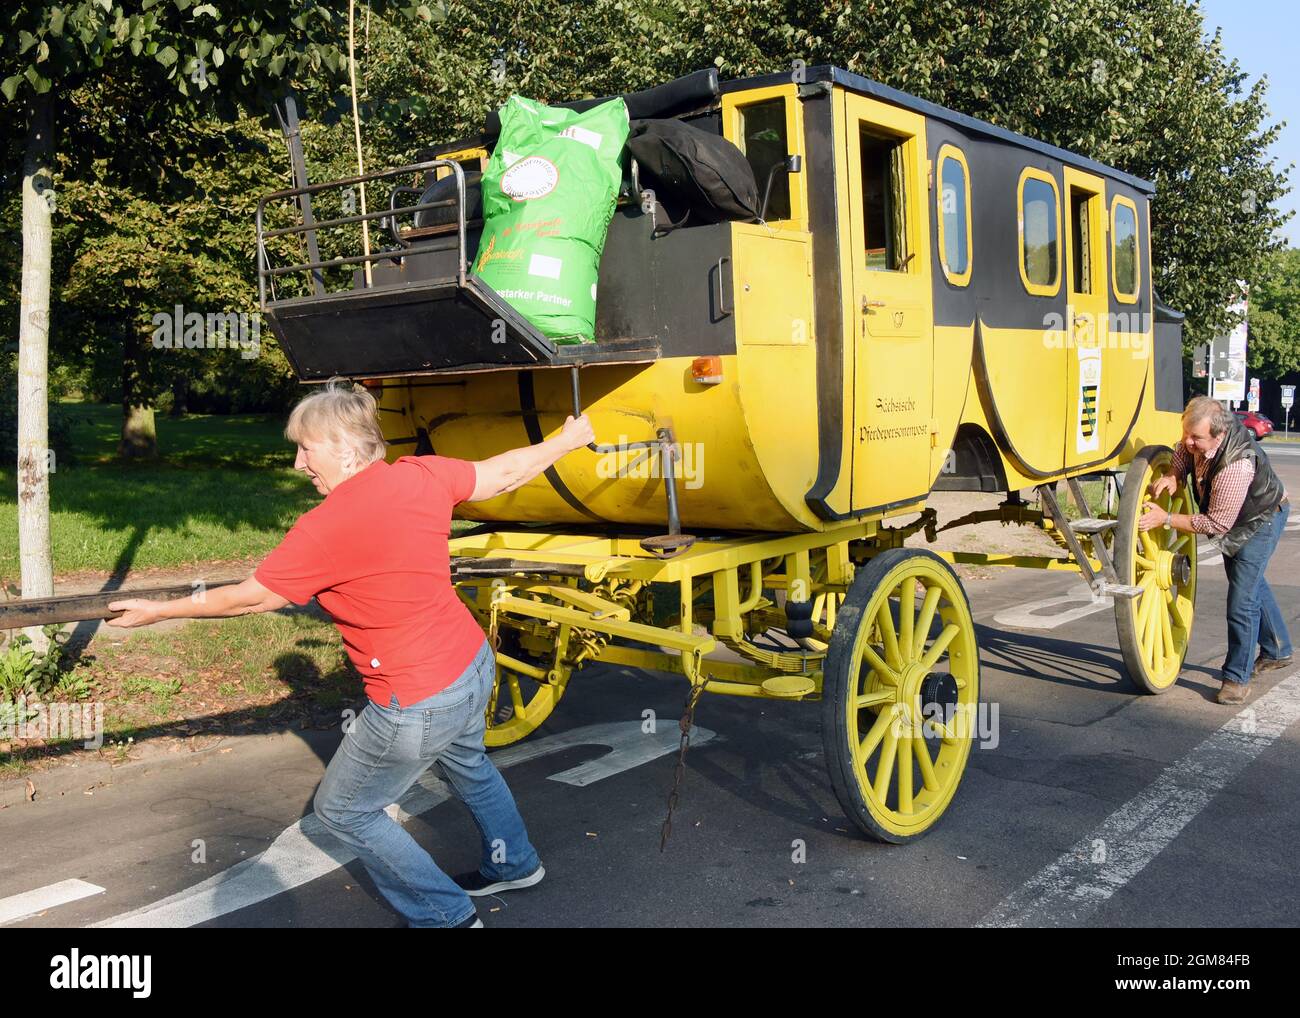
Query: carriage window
x=1124 y=249
x=884 y=202
x=954 y=216
x=1040 y=255
x=1080 y=241
x=763 y=140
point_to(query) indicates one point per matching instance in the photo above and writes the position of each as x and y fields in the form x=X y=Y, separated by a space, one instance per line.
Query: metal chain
x=688 y=719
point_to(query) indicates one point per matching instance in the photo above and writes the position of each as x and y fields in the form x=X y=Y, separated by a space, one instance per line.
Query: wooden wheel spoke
x=939 y=646
x=925 y=618
x=868 y=745
x=872 y=699
x=905 y=773
x=1149 y=547
x=878 y=665
x=1167 y=634
x=885 y=766
x=906 y=615
x=885 y=620
x=922 y=753
x=516 y=694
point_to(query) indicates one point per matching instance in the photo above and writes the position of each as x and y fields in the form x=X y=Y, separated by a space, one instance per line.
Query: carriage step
x=1092 y=525
x=1119 y=589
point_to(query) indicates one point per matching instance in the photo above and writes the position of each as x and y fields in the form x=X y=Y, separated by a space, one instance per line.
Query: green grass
x=230 y=676
x=225 y=489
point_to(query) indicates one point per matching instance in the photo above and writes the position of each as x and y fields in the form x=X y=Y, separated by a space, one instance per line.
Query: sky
x=1261 y=35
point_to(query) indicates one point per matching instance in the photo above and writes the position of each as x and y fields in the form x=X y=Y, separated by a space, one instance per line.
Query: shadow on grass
x=316 y=700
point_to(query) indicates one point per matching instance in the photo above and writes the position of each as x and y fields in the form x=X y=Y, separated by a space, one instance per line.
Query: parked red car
x=1257 y=423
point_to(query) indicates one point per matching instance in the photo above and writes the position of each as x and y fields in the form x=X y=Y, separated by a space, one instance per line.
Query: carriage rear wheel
x=1154 y=627
x=899 y=695
x=521 y=701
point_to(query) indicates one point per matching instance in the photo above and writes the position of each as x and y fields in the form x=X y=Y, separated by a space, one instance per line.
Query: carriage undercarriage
x=879 y=632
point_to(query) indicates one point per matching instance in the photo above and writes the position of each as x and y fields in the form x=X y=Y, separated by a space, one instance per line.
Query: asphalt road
x=1097 y=806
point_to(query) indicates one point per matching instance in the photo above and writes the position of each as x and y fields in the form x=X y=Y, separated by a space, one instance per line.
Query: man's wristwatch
x=1168 y=518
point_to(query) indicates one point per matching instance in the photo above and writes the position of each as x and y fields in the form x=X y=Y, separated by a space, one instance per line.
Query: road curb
x=76 y=778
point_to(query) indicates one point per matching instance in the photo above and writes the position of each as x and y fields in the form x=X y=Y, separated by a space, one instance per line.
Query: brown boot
x=1232 y=692
x=1267 y=664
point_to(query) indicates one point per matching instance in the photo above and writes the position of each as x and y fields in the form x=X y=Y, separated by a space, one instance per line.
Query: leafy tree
x=177 y=59
x=1274 y=318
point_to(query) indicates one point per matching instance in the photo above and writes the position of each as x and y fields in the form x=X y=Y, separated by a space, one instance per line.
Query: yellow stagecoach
x=928 y=302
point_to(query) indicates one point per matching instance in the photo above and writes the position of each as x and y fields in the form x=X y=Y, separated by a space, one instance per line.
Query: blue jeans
x=1253 y=614
x=380 y=758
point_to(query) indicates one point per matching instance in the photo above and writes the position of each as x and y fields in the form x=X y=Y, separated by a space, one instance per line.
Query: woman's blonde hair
x=344 y=416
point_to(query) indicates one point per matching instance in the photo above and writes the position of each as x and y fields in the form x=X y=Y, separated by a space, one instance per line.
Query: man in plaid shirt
x=1244 y=508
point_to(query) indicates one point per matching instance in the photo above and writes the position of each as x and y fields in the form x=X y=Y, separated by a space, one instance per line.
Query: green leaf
x=218 y=56
x=10 y=86
x=276 y=66
x=25 y=42
x=56 y=21
x=40 y=83
x=207 y=9
x=166 y=56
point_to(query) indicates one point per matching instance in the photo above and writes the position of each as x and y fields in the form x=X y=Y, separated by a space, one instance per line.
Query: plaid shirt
x=1226 y=496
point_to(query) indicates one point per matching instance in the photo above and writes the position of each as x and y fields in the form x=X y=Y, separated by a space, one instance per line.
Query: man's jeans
x=1253 y=614
x=380 y=758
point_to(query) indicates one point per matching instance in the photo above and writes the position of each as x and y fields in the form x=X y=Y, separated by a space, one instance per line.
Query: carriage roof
x=866 y=86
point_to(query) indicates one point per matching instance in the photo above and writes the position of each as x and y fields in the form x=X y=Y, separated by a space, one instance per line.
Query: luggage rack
x=395 y=323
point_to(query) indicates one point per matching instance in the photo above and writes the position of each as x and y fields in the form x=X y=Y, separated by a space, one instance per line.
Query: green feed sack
x=549 y=192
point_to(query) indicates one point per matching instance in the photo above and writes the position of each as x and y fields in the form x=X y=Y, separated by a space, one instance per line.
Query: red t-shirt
x=374 y=554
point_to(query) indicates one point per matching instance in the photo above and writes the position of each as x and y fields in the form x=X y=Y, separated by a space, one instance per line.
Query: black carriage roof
x=865 y=86
x=704 y=85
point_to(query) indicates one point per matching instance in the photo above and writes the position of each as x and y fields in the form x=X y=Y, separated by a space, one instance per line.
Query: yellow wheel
x=523 y=697
x=1156 y=626
x=899 y=694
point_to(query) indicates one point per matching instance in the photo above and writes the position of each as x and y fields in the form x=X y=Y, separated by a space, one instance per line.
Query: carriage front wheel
x=1154 y=627
x=899 y=694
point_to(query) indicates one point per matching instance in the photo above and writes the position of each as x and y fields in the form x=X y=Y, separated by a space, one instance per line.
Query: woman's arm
x=247 y=598
x=513 y=469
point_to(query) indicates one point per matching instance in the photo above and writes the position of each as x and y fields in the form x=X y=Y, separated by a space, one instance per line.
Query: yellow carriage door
x=1088 y=404
x=888 y=260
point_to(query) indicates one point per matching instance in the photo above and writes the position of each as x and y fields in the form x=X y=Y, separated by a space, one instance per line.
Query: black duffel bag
x=690 y=169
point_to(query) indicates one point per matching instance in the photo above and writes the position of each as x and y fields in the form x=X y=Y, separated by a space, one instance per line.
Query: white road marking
x=1211 y=560
x=1085 y=877
x=1027 y=616
x=307 y=850
x=20 y=906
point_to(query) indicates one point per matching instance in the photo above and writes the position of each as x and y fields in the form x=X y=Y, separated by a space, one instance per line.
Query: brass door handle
x=872 y=304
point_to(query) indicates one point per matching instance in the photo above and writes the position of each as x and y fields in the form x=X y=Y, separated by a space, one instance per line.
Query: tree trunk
x=139 y=434
x=36 y=564
x=180 y=396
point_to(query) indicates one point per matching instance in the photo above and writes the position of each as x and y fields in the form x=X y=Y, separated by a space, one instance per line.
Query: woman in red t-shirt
x=374 y=554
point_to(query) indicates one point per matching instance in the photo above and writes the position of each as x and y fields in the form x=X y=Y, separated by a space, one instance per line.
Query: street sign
x=1252 y=399
x=1228 y=375
x=1288 y=396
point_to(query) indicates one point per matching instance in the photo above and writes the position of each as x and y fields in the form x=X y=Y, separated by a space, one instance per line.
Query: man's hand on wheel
x=1164 y=485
